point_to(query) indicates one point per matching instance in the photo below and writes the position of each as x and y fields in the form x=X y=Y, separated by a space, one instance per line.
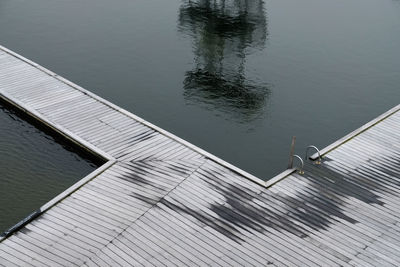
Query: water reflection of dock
x=162 y=201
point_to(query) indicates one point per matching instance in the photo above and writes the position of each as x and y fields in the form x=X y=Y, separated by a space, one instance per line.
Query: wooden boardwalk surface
x=161 y=201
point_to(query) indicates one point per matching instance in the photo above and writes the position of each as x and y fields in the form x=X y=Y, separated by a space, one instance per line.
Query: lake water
x=35 y=166
x=236 y=78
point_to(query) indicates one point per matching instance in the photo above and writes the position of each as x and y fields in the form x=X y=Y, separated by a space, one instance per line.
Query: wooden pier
x=160 y=200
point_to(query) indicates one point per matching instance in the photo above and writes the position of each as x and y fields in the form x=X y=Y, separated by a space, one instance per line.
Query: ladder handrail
x=319 y=154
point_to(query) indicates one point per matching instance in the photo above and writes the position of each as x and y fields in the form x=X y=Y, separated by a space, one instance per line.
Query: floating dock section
x=162 y=201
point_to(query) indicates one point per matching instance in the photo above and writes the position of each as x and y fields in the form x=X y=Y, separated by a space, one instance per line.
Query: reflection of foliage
x=222 y=33
x=241 y=19
x=211 y=88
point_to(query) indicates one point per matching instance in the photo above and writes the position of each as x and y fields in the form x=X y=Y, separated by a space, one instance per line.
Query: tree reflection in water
x=223 y=33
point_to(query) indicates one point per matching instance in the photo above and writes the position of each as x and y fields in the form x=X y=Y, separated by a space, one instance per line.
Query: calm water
x=237 y=78
x=34 y=167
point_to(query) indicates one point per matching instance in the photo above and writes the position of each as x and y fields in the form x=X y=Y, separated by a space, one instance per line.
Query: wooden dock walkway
x=162 y=201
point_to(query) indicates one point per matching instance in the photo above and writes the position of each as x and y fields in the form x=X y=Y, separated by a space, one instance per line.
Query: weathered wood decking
x=162 y=201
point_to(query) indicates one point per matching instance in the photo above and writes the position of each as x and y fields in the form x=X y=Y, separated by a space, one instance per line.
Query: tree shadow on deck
x=301 y=209
x=297 y=207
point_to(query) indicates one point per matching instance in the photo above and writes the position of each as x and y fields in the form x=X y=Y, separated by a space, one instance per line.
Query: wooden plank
x=129 y=254
x=32 y=252
x=41 y=246
x=89 y=240
x=135 y=244
x=95 y=213
x=135 y=205
x=154 y=250
x=187 y=240
x=235 y=216
x=16 y=257
x=286 y=240
x=91 y=197
x=119 y=255
x=217 y=237
x=157 y=181
x=65 y=238
x=192 y=234
x=84 y=224
x=127 y=192
x=69 y=247
x=7 y=259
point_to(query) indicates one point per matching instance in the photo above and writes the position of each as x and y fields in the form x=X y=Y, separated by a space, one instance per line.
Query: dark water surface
x=34 y=166
x=237 y=78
